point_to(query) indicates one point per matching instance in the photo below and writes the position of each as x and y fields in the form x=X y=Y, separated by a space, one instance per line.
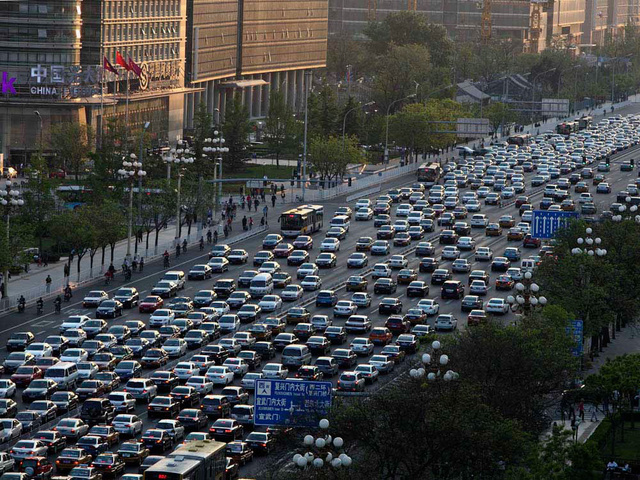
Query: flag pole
x=126 y=115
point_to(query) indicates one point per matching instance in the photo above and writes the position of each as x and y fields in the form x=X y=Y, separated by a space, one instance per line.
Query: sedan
x=200 y=272
x=345 y=308
x=94 y=298
x=150 y=304
x=330 y=245
x=357 y=260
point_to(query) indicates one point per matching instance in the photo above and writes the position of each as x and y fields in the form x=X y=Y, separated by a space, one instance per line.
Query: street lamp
x=344 y=121
x=622 y=209
x=183 y=156
x=588 y=242
x=323 y=451
x=533 y=90
x=386 y=136
x=131 y=170
x=9 y=199
x=526 y=299
x=433 y=369
x=213 y=146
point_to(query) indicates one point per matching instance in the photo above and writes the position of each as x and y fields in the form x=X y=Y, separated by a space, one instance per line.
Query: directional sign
x=576 y=331
x=291 y=402
x=546 y=223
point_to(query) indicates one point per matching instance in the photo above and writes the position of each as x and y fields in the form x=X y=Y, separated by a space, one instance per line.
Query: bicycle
x=166 y=262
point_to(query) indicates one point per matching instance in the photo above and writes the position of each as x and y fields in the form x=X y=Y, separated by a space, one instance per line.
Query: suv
x=141 y=389
x=216 y=406
x=97 y=411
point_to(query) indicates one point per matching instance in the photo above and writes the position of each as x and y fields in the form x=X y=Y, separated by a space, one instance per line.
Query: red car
x=504 y=282
x=150 y=304
x=58 y=174
x=36 y=467
x=531 y=242
x=397 y=324
x=283 y=250
x=476 y=317
x=380 y=336
x=26 y=374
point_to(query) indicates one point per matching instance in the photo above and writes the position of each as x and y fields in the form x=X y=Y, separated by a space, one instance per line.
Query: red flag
x=106 y=65
x=121 y=61
x=134 y=67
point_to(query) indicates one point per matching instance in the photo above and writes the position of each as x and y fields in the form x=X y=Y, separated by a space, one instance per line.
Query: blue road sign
x=576 y=331
x=546 y=223
x=291 y=402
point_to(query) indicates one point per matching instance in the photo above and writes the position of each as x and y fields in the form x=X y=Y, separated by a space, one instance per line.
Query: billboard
x=555 y=107
x=473 y=127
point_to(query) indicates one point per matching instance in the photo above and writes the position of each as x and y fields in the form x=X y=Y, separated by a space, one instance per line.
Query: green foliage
x=499 y=114
x=620 y=374
x=323 y=113
x=281 y=128
x=236 y=129
x=202 y=129
x=330 y=156
x=39 y=204
x=72 y=142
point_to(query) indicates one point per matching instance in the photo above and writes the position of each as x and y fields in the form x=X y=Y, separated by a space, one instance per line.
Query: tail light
x=227 y=431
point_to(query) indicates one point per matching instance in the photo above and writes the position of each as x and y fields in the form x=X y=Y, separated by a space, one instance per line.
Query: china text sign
x=291 y=402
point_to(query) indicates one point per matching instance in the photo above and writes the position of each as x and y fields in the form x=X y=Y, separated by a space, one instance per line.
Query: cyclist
x=40 y=305
x=166 y=259
x=57 y=303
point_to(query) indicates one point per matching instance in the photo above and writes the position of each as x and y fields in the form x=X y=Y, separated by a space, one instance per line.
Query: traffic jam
x=335 y=293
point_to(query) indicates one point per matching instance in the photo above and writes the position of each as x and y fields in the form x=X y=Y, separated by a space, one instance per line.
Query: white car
x=311 y=283
x=404 y=209
x=74 y=355
x=381 y=270
x=429 y=306
x=123 y=401
x=7 y=388
x=28 y=448
x=479 y=221
x=466 y=243
x=484 y=254
x=361 y=346
x=175 y=347
x=237 y=365
x=274 y=371
x=330 y=245
x=401 y=226
x=398 y=261
x=270 y=303
x=364 y=214
x=497 y=305
x=11 y=428
x=270 y=267
x=219 y=264
x=127 y=424
x=161 y=317
x=363 y=203
x=307 y=269
x=585 y=197
x=74 y=321
x=221 y=307
x=202 y=384
x=40 y=349
x=184 y=370
x=219 y=375
x=94 y=298
x=361 y=299
x=473 y=206
x=291 y=293
x=345 y=308
x=87 y=370
x=238 y=256
x=450 y=252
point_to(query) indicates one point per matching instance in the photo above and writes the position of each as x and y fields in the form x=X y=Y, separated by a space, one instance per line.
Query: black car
x=54 y=441
x=128 y=296
x=281 y=279
x=428 y=265
x=157 y=440
x=39 y=389
x=452 y=289
x=251 y=358
x=345 y=357
x=385 y=285
x=448 y=237
x=216 y=352
x=93 y=445
x=109 y=465
x=97 y=411
x=389 y=306
x=335 y=334
x=109 y=309
x=185 y=396
x=192 y=419
x=18 y=341
x=224 y=287
x=164 y=380
x=440 y=276
x=260 y=442
x=244 y=280
x=418 y=288
x=266 y=350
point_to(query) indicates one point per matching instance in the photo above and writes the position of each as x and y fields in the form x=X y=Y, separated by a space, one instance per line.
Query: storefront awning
x=244 y=83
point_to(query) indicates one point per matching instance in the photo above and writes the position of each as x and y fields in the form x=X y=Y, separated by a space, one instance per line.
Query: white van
x=340 y=221
x=527 y=265
x=177 y=277
x=261 y=285
x=65 y=374
x=296 y=356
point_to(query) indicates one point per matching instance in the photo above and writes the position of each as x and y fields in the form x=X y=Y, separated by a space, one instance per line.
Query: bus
x=520 y=139
x=197 y=460
x=302 y=220
x=585 y=122
x=567 y=128
x=73 y=196
x=429 y=173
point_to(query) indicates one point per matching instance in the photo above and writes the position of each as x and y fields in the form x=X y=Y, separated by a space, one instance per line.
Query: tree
x=280 y=127
x=344 y=50
x=329 y=157
x=323 y=113
x=72 y=142
x=39 y=204
x=72 y=230
x=499 y=114
x=236 y=130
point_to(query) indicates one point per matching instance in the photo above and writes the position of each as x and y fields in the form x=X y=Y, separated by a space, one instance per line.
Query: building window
x=42 y=33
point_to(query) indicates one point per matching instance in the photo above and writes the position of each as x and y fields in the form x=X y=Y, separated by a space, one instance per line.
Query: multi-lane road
x=48 y=324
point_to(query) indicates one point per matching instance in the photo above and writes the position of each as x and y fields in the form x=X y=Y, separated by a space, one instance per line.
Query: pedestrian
x=265 y=211
x=282 y=195
x=215 y=235
x=134 y=264
x=45 y=259
x=178 y=250
x=594 y=412
x=273 y=200
x=244 y=202
x=263 y=195
x=48 y=282
x=66 y=270
x=226 y=231
x=244 y=223
x=141 y=264
x=262 y=221
x=209 y=236
x=256 y=204
x=223 y=214
x=184 y=246
x=250 y=223
x=581 y=409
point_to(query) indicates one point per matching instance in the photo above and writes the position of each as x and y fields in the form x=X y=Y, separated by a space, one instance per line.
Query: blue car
x=512 y=253
x=326 y=298
x=128 y=369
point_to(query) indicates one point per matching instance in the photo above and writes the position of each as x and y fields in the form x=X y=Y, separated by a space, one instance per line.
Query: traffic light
x=608 y=160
